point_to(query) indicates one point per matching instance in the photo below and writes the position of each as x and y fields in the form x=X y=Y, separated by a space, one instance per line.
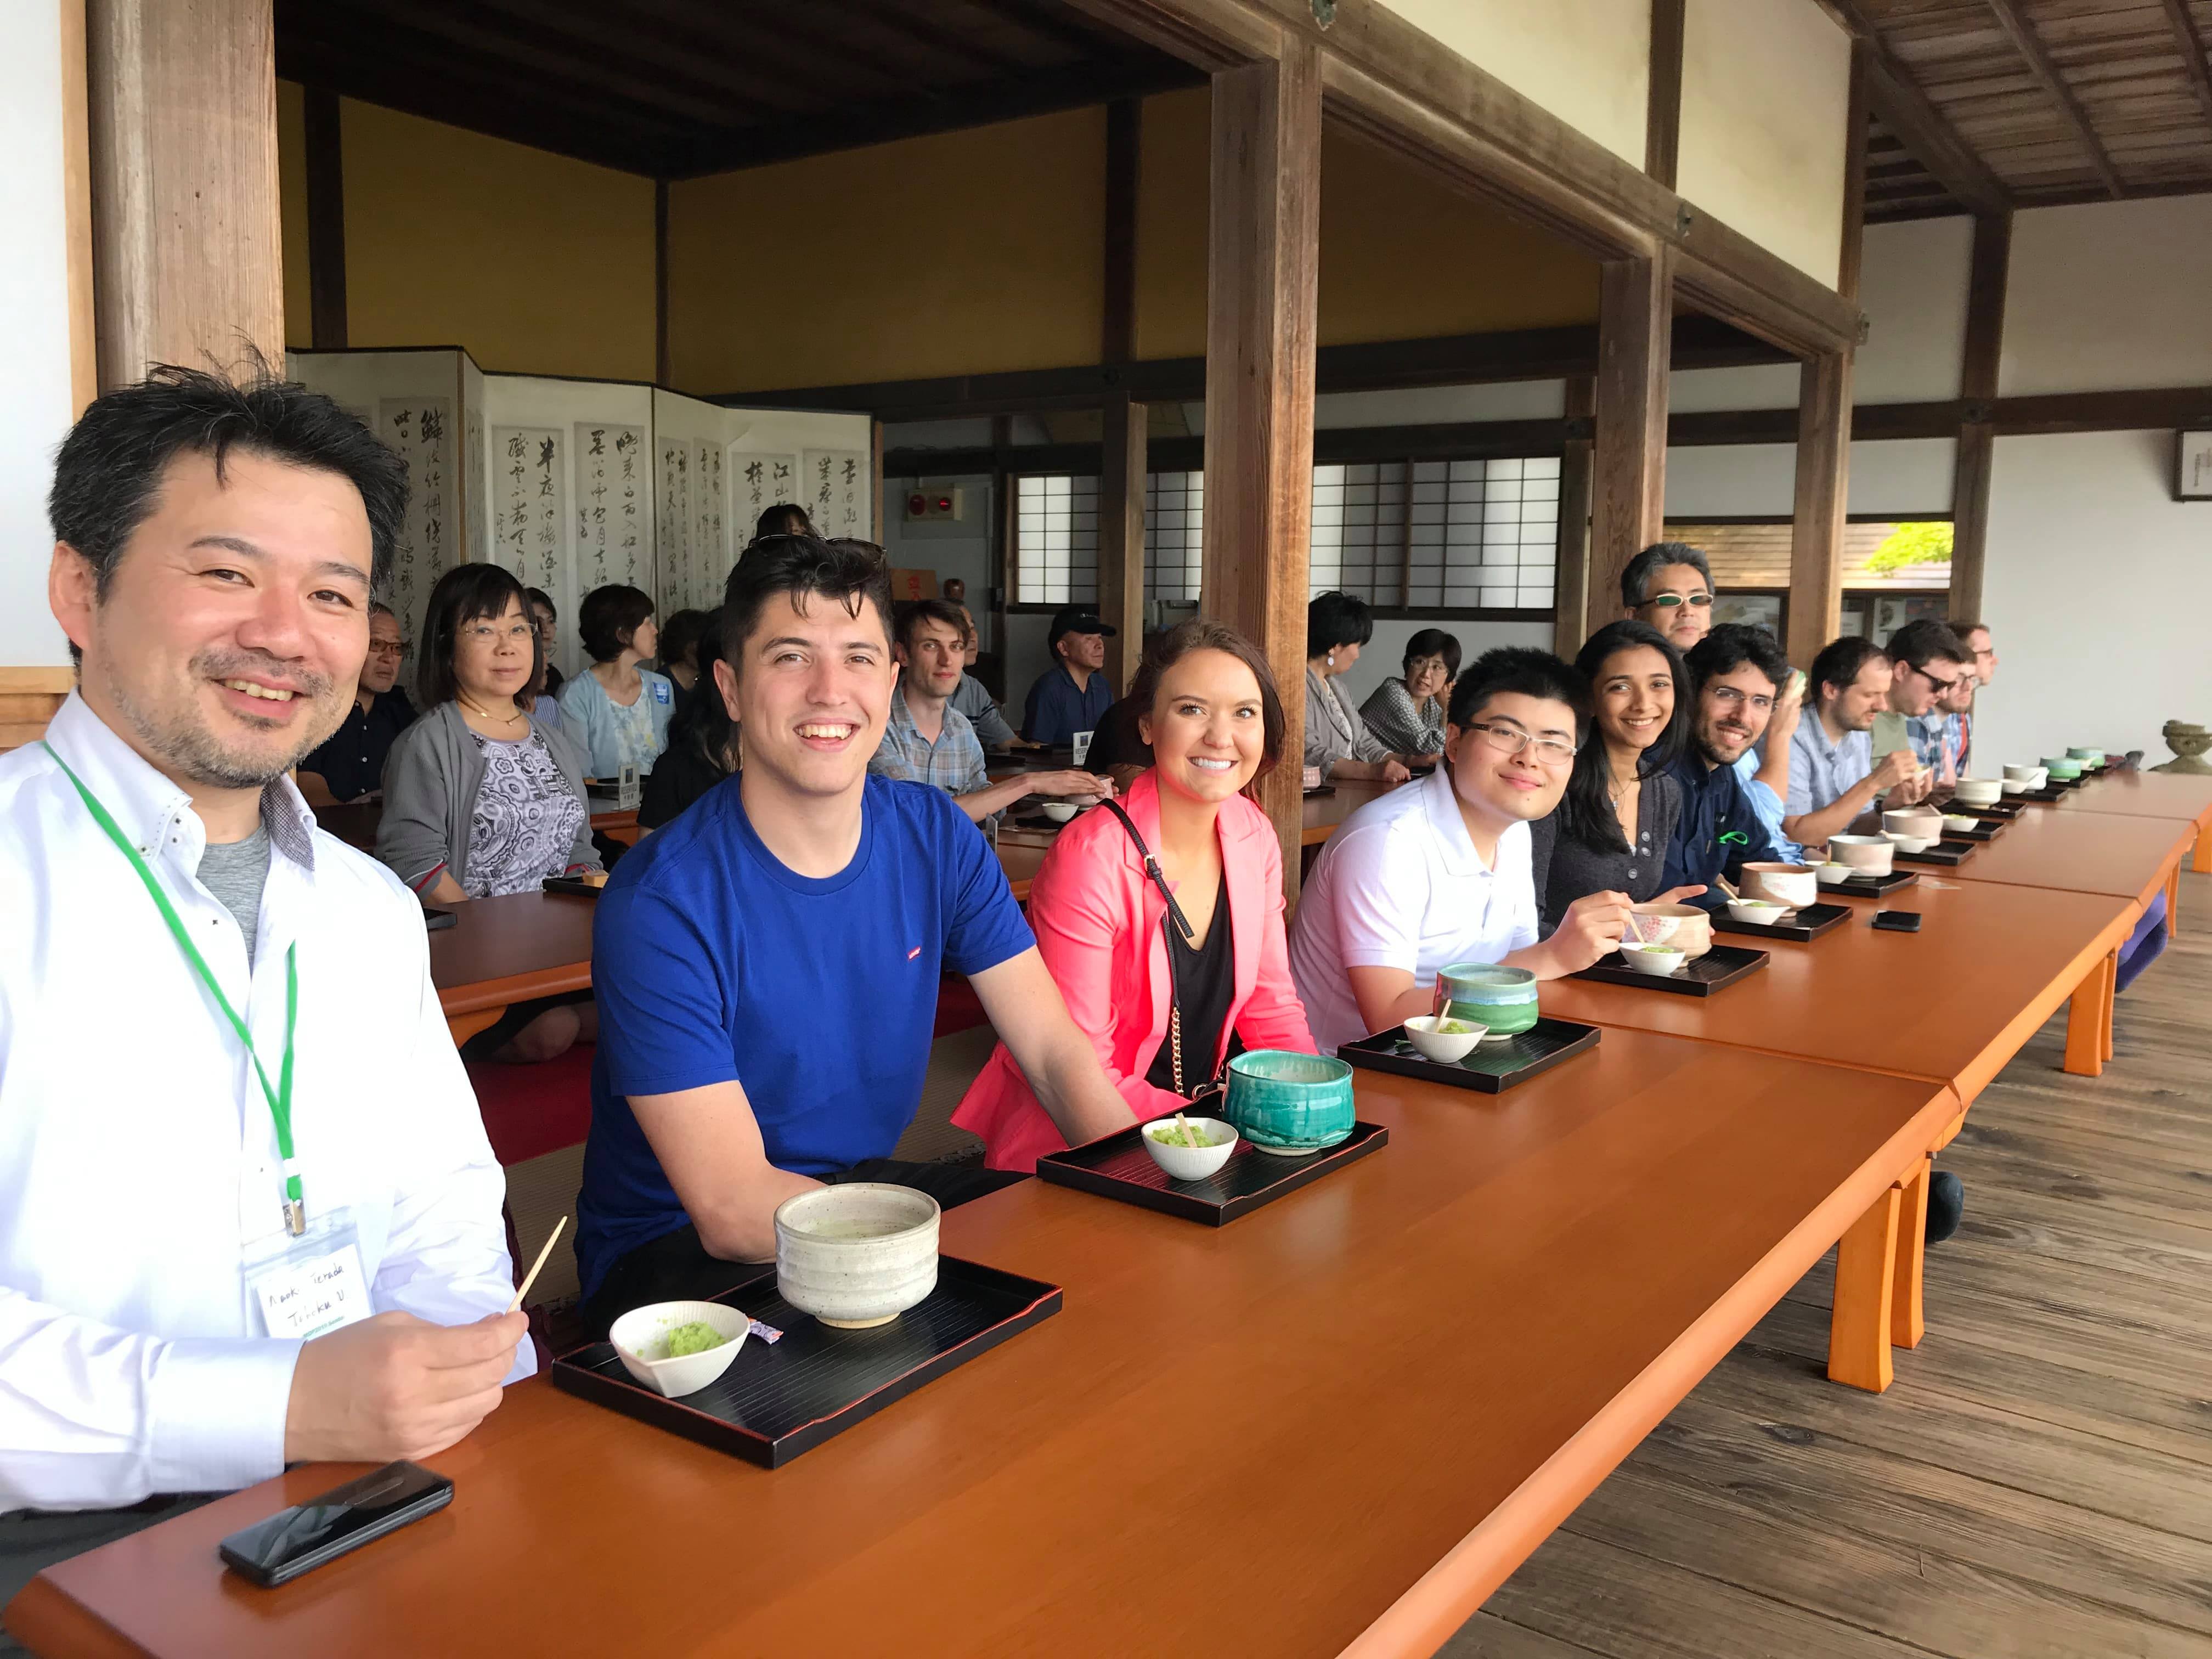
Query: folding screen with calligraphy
x=420 y=429
x=672 y=522
x=838 y=484
x=530 y=509
x=759 y=481
x=610 y=506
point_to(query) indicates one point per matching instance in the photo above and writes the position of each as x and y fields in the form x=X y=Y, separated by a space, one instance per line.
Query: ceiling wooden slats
x=2063 y=100
x=674 y=89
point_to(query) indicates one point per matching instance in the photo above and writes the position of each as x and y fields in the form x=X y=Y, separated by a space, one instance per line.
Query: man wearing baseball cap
x=1073 y=694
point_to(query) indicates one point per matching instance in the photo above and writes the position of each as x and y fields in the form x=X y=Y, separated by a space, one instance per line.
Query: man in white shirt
x=215 y=1261
x=1438 y=872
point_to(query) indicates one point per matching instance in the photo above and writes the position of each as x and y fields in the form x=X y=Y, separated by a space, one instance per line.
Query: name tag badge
x=1082 y=742
x=305 y=1287
x=660 y=691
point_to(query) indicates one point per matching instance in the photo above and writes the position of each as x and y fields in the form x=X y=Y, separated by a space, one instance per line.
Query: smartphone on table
x=308 y=1535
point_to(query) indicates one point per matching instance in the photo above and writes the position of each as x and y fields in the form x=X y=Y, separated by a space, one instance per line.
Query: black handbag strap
x=1152 y=869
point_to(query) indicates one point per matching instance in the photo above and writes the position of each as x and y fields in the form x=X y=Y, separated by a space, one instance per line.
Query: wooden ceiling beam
x=2193 y=52
x=1915 y=121
x=2022 y=35
x=670 y=47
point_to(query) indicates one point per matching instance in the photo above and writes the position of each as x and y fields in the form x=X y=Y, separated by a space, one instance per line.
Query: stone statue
x=2188 y=742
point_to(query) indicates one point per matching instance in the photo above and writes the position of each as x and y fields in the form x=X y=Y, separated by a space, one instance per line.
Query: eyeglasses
x=1512 y=741
x=1676 y=601
x=1940 y=686
x=386 y=648
x=1730 y=697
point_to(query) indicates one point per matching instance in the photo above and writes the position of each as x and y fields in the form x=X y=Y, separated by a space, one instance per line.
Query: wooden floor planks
x=2039 y=1480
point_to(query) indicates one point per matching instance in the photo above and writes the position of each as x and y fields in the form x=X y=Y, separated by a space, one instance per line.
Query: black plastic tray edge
x=1681 y=987
x=1795 y=933
x=634 y=1399
x=572 y=887
x=1966 y=849
x=1184 y=1207
x=1842 y=891
x=1454 y=1077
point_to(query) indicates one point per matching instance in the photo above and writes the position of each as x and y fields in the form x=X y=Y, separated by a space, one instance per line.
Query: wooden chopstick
x=515 y=1306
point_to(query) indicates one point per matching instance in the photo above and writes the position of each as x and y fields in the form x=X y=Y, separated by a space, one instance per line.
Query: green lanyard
x=280 y=1096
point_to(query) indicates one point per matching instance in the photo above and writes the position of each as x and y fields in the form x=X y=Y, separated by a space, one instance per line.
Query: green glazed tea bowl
x=1288 y=1104
x=1502 y=998
x=2060 y=768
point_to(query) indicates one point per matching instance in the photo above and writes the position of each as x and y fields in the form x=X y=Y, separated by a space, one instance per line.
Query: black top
x=351 y=759
x=680 y=776
x=554 y=679
x=1565 y=870
x=1117 y=742
x=1205 y=980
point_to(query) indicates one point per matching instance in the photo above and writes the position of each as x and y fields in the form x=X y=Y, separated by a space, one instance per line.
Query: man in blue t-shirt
x=767 y=966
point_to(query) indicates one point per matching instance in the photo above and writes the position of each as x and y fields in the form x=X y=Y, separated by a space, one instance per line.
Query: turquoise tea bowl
x=2090 y=758
x=1288 y=1104
x=2060 y=767
x=1502 y=999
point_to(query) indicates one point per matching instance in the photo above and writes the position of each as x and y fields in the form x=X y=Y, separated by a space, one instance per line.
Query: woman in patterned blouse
x=481 y=798
x=1408 y=714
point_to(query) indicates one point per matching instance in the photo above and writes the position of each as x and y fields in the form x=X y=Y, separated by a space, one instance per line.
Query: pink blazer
x=1097 y=923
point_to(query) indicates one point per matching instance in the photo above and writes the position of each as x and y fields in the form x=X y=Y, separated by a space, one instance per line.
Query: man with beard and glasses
x=248 y=1215
x=1736 y=672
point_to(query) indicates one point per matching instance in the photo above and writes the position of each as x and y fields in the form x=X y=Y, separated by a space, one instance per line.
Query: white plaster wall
x=1758 y=386
x=34 y=360
x=2108 y=295
x=1765 y=84
x=1903 y=475
x=1912 y=285
x=1504 y=400
x=2096 y=593
x=1586 y=61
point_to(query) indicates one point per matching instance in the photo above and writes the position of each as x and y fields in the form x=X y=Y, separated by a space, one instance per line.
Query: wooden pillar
x=1628 y=459
x=663 y=375
x=1816 y=540
x=1121 y=539
x=1978 y=386
x=1662 y=108
x=1261 y=289
x=187 y=251
x=326 y=267
x=1570 y=593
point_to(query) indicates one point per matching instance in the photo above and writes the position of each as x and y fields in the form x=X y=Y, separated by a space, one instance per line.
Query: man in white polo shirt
x=248 y=1215
x=1438 y=872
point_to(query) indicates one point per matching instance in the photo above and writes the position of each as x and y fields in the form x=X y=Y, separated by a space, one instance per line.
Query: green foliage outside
x=1911 y=544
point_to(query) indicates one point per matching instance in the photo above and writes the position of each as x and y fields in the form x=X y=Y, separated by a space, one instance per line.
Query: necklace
x=1620 y=786
x=469 y=707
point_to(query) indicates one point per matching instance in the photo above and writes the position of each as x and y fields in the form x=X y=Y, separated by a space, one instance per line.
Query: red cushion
x=530 y=1110
x=958 y=1007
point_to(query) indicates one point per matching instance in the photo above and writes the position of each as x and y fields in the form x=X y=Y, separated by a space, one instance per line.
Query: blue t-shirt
x=711 y=960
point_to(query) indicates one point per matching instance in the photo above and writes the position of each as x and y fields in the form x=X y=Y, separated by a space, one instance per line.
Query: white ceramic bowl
x=1759 y=913
x=1911 y=843
x=1787 y=885
x=1658 y=959
x=1867 y=855
x=1685 y=927
x=1445 y=1046
x=1192 y=1163
x=856 y=1255
x=641 y=1340
x=1919 y=822
x=1834 y=875
x=1960 y=821
x=1060 y=812
x=1978 y=792
x=2017 y=786
x=2033 y=776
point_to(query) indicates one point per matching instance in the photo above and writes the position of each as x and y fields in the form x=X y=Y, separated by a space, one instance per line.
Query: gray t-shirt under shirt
x=235 y=872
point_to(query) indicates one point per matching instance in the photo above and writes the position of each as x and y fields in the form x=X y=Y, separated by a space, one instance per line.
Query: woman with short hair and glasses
x=1409 y=714
x=1612 y=828
x=1440 y=872
x=480 y=799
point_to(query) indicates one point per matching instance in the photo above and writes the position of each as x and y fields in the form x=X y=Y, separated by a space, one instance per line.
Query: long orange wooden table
x=2087 y=852
x=1323 y=813
x=2183 y=795
x=1952 y=1003
x=1334 y=1426
x=500 y=951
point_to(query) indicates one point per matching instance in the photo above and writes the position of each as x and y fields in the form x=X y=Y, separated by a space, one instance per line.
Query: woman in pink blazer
x=1104 y=922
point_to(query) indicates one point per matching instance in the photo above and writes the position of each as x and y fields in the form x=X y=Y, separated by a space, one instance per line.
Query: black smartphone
x=1898 y=922
x=302 y=1538
x=432 y=920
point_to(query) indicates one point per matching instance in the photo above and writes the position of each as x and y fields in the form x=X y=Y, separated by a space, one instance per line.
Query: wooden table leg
x=1858 y=1329
x=2173 y=900
x=2085 y=1021
x=1907 y=1322
x=2201 y=860
x=2112 y=1000
x=464 y=1026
